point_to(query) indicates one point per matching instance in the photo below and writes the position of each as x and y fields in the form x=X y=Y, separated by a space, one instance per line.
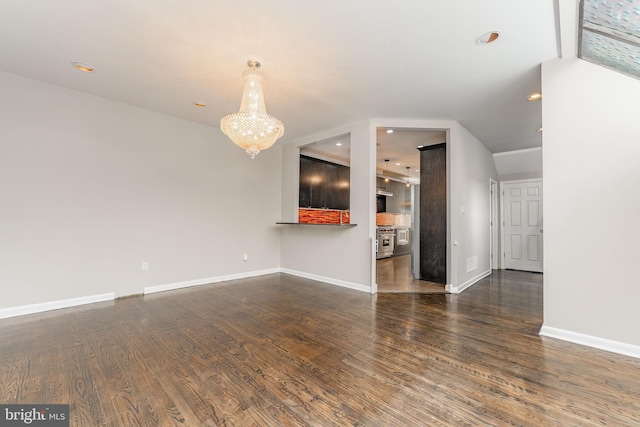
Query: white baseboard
x=465 y=285
x=329 y=280
x=54 y=305
x=591 y=341
x=208 y=280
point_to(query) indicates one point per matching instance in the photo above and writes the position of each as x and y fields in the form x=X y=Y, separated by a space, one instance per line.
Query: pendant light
x=386 y=178
x=408 y=183
x=252 y=128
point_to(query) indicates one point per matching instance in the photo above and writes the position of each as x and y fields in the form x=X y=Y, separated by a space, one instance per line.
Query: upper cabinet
x=325 y=174
x=400 y=202
x=323 y=184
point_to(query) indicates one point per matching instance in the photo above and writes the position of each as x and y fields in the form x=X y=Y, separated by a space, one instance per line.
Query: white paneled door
x=522 y=225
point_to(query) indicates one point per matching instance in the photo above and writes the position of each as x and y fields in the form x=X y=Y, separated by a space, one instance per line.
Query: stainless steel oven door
x=385 y=245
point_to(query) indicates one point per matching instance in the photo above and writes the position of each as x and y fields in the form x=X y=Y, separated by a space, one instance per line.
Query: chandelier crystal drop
x=252 y=128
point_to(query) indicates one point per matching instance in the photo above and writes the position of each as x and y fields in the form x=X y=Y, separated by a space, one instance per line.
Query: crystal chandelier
x=252 y=128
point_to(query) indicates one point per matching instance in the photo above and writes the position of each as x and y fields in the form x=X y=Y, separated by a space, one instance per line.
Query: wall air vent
x=610 y=34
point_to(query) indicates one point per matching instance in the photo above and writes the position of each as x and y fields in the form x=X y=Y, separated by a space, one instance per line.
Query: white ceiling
x=325 y=63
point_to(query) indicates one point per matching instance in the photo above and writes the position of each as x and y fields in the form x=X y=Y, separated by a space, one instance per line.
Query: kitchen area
x=394 y=232
x=393 y=217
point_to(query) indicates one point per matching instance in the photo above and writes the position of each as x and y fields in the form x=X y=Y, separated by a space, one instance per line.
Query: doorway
x=398 y=181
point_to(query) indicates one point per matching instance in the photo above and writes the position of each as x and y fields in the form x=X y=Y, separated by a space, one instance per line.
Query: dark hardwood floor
x=394 y=275
x=281 y=350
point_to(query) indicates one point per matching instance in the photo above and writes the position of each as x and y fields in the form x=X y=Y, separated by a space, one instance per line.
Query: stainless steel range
x=385 y=241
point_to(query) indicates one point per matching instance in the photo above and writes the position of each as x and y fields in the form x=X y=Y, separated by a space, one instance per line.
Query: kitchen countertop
x=316 y=223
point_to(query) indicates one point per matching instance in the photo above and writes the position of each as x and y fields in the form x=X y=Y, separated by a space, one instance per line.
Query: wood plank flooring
x=394 y=275
x=281 y=350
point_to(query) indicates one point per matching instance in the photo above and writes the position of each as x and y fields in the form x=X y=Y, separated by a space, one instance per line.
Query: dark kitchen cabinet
x=433 y=213
x=400 y=202
x=323 y=184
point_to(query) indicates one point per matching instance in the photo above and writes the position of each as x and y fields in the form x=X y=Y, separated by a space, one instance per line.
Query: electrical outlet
x=245 y=257
x=145 y=266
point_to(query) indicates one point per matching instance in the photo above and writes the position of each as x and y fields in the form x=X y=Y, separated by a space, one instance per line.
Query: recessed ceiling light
x=339 y=144
x=200 y=104
x=417 y=170
x=397 y=164
x=420 y=146
x=534 y=96
x=488 y=38
x=389 y=130
x=83 y=66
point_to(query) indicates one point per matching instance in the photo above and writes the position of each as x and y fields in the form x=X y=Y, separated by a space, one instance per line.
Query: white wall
x=92 y=188
x=340 y=255
x=592 y=202
x=472 y=165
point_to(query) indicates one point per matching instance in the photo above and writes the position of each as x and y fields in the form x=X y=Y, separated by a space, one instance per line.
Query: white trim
x=329 y=280
x=374 y=266
x=514 y=152
x=457 y=289
x=591 y=341
x=501 y=255
x=73 y=302
x=520 y=181
x=493 y=228
x=206 y=281
x=54 y=305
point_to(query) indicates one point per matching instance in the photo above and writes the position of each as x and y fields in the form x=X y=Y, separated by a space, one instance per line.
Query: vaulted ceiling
x=326 y=63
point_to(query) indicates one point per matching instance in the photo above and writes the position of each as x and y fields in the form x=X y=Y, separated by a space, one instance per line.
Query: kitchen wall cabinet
x=400 y=202
x=323 y=184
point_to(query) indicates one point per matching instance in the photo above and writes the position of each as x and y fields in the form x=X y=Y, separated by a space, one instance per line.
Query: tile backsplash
x=323 y=216
x=389 y=219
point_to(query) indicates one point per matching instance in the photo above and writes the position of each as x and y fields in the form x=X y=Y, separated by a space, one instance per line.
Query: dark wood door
x=433 y=213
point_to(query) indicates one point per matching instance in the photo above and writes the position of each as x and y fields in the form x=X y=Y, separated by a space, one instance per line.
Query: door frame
x=494 y=249
x=502 y=184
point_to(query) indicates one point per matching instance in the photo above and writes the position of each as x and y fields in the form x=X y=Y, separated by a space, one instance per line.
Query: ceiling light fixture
x=386 y=178
x=534 y=96
x=488 y=38
x=200 y=104
x=408 y=173
x=389 y=130
x=83 y=66
x=252 y=128
x=339 y=144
